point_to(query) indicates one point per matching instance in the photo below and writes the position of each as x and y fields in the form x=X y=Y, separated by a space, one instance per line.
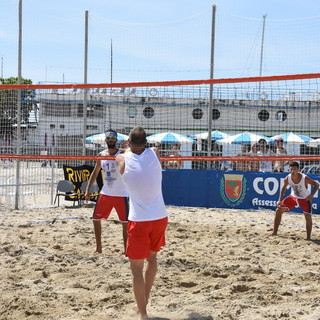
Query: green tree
x=9 y=104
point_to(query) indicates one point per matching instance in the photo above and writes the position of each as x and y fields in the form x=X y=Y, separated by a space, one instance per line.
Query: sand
x=217 y=264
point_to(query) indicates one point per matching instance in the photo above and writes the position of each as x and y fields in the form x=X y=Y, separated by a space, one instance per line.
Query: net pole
x=211 y=85
x=16 y=204
x=261 y=53
x=85 y=92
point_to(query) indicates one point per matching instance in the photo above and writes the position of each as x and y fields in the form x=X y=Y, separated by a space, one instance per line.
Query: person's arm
x=283 y=190
x=285 y=163
x=120 y=162
x=92 y=178
x=234 y=164
x=315 y=188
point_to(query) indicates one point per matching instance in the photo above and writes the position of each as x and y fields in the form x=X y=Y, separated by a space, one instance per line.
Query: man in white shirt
x=142 y=175
x=299 y=195
x=113 y=193
x=265 y=166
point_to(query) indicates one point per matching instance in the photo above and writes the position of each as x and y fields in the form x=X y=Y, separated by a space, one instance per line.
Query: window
x=148 y=112
x=93 y=110
x=61 y=126
x=52 y=126
x=92 y=127
x=197 y=113
x=132 y=112
x=281 y=116
x=263 y=115
x=215 y=114
x=56 y=109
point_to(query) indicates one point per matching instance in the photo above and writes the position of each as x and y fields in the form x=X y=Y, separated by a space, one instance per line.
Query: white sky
x=155 y=40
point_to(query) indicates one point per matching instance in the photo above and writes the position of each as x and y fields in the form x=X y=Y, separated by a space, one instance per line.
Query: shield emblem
x=233 y=186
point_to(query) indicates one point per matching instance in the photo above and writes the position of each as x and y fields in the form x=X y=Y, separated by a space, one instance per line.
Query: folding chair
x=94 y=188
x=66 y=188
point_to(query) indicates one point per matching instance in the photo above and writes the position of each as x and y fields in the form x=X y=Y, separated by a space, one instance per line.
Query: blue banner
x=227 y=189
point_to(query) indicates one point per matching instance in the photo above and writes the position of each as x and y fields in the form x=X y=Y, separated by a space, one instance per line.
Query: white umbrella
x=215 y=135
x=169 y=137
x=314 y=143
x=291 y=137
x=245 y=137
x=101 y=138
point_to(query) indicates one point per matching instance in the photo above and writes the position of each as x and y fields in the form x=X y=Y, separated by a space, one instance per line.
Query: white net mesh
x=65 y=122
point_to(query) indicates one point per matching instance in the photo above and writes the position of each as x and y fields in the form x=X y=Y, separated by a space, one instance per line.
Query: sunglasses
x=111 y=138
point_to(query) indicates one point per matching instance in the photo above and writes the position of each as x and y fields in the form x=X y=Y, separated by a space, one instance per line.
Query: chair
x=66 y=188
x=94 y=188
x=225 y=165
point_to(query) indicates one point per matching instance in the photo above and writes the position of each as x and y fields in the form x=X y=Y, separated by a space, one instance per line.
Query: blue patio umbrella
x=101 y=137
x=215 y=135
x=169 y=138
x=291 y=137
x=245 y=137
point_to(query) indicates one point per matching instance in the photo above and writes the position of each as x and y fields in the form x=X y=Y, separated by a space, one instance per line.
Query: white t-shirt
x=142 y=177
x=265 y=166
x=298 y=190
x=113 y=184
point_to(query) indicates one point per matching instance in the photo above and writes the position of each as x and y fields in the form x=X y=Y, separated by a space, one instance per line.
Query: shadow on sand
x=192 y=316
x=316 y=241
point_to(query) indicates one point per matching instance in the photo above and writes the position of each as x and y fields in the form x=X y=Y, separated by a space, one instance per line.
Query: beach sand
x=217 y=264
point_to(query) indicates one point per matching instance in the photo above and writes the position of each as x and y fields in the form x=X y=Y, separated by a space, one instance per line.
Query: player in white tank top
x=299 y=190
x=113 y=193
x=299 y=195
x=146 y=200
x=112 y=184
x=142 y=175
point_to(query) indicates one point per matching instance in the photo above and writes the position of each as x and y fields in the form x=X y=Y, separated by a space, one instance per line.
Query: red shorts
x=290 y=202
x=145 y=236
x=106 y=203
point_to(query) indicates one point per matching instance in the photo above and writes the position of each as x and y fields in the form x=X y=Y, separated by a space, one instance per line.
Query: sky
x=158 y=40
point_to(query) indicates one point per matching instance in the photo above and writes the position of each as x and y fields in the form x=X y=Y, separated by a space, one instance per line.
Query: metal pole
x=261 y=52
x=16 y=205
x=111 y=62
x=85 y=80
x=211 y=85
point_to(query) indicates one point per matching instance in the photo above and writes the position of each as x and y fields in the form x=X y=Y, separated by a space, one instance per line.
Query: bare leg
x=124 y=235
x=139 y=286
x=308 y=217
x=150 y=273
x=277 y=220
x=97 y=234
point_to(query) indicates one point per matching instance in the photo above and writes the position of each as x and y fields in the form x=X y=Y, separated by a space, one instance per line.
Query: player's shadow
x=316 y=241
x=192 y=316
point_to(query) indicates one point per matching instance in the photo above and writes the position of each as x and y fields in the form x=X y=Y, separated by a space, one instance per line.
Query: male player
x=142 y=174
x=113 y=193
x=299 y=195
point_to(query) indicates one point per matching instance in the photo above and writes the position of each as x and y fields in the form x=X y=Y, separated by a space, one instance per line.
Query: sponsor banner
x=227 y=189
x=78 y=175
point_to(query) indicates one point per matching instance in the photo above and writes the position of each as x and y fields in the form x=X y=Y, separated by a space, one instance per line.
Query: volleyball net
x=196 y=124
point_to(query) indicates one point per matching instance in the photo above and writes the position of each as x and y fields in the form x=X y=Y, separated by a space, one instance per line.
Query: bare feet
x=143 y=317
x=98 y=251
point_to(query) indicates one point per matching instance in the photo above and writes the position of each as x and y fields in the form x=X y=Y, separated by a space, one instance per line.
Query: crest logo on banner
x=233 y=189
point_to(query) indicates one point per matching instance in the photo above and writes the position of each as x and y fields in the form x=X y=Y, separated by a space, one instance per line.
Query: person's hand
x=309 y=197
x=279 y=204
x=87 y=195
